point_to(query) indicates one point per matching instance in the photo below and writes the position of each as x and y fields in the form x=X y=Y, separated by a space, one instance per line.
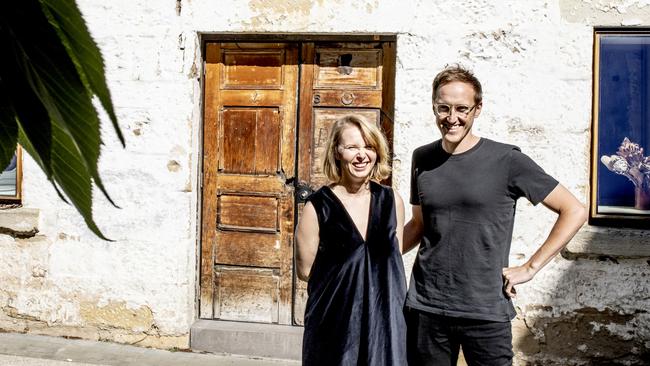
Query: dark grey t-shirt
x=468 y=205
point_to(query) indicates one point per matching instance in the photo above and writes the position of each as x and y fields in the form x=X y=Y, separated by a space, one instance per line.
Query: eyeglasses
x=444 y=110
x=354 y=149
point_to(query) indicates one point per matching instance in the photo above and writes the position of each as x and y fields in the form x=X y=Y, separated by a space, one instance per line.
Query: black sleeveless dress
x=354 y=313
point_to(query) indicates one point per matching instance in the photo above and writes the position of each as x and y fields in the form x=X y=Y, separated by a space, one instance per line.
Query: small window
x=620 y=183
x=11 y=179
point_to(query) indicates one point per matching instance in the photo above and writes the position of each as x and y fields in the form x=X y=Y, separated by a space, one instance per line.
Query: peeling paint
x=371 y=6
x=116 y=315
x=12 y=312
x=269 y=9
x=501 y=44
x=173 y=166
x=606 y=12
x=595 y=335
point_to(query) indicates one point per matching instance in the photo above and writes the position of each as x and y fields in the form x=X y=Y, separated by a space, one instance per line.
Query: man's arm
x=413 y=230
x=571 y=215
x=399 y=216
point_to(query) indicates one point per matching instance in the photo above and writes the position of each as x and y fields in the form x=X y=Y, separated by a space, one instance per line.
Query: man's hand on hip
x=515 y=275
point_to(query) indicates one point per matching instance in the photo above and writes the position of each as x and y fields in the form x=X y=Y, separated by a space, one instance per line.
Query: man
x=464 y=190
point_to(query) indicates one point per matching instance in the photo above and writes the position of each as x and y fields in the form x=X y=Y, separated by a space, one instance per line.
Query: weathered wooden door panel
x=248 y=206
x=341 y=79
x=348 y=67
x=250 y=167
x=262 y=288
x=251 y=139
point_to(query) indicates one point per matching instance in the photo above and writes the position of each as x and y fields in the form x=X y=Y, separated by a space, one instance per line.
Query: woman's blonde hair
x=371 y=135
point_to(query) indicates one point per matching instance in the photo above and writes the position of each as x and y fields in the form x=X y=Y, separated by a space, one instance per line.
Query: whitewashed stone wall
x=534 y=59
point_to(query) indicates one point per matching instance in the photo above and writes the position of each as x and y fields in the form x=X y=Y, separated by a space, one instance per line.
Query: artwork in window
x=621 y=130
x=10 y=178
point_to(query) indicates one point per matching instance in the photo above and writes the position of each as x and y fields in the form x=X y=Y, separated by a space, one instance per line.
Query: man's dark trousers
x=435 y=340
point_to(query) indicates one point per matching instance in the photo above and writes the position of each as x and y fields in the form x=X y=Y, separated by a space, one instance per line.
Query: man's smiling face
x=455 y=111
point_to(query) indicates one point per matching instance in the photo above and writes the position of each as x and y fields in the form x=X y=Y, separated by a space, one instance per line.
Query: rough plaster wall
x=534 y=59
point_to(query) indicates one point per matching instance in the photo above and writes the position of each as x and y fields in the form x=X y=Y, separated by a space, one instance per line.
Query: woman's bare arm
x=306 y=241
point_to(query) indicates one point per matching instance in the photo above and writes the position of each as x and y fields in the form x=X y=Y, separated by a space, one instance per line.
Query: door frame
x=300 y=38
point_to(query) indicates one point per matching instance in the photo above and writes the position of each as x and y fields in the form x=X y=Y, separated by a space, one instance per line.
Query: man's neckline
x=466 y=152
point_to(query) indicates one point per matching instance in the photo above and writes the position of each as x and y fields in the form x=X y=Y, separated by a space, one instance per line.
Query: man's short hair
x=453 y=73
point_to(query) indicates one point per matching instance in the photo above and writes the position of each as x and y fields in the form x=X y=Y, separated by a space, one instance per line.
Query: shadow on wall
x=598 y=313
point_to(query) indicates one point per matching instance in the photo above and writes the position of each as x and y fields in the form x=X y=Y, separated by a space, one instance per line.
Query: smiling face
x=355 y=157
x=456 y=129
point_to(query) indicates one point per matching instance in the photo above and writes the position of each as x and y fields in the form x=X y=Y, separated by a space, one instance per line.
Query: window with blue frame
x=621 y=127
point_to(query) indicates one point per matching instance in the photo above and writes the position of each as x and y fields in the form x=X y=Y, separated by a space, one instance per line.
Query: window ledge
x=595 y=242
x=19 y=222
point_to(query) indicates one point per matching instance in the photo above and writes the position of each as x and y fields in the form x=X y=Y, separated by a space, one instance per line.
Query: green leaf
x=60 y=89
x=66 y=19
x=26 y=144
x=48 y=75
x=8 y=128
x=18 y=82
x=72 y=177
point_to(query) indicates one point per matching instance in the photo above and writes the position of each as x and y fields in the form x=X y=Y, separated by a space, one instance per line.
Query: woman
x=349 y=250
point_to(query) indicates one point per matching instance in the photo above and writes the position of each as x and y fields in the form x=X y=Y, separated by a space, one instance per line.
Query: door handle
x=302 y=191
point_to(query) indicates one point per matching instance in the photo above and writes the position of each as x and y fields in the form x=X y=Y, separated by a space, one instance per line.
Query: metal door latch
x=303 y=190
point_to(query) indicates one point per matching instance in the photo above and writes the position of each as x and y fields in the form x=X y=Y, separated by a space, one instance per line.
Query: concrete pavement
x=30 y=361
x=34 y=350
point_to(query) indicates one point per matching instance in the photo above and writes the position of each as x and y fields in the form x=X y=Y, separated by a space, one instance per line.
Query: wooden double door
x=268 y=110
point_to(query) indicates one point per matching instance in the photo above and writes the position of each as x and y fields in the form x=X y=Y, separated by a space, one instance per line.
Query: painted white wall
x=534 y=60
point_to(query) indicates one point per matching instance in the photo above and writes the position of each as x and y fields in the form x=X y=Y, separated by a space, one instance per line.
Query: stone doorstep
x=250 y=339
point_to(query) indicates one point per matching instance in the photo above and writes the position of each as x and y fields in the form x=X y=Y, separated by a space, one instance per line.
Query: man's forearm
x=566 y=226
x=571 y=215
x=412 y=235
